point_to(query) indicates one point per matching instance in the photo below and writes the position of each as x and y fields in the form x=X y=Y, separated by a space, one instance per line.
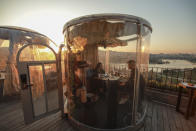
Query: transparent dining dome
x=107 y=65
x=12 y=40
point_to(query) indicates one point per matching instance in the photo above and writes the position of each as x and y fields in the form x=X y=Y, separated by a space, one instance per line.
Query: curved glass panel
x=15 y=38
x=12 y=39
x=36 y=53
x=142 y=75
x=107 y=61
x=4 y=53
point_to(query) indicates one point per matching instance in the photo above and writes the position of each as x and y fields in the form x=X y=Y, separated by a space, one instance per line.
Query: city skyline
x=173 y=22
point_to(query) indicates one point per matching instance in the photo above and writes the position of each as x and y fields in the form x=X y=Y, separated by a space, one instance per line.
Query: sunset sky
x=173 y=21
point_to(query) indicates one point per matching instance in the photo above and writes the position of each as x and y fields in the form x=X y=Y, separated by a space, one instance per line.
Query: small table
x=192 y=88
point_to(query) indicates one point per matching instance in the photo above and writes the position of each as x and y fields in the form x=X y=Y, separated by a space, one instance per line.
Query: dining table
x=111 y=95
x=191 y=88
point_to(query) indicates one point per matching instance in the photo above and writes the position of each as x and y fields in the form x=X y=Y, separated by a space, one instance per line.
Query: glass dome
x=31 y=65
x=107 y=65
x=12 y=39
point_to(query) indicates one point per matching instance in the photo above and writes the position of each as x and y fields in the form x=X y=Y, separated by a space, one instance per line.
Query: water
x=179 y=64
x=175 y=64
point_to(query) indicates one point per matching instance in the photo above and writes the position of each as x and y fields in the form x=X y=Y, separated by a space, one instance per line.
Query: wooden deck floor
x=160 y=118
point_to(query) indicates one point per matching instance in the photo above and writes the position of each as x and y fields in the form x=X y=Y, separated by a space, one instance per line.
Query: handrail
x=169 y=78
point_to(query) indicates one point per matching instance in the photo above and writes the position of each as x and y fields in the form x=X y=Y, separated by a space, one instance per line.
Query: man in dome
x=129 y=85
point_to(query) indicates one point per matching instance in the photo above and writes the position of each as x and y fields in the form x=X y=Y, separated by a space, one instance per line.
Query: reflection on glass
x=37 y=53
x=4 y=53
x=143 y=64
x=103 y=89
x=103 y=80
x=107 y=72
x=37 y=90
x=52 y=87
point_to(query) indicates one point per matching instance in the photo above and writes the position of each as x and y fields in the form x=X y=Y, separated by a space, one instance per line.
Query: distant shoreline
x=157 y=58
x=158 y=61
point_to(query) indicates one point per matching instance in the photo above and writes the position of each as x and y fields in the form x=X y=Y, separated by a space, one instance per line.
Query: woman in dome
x=99 y=69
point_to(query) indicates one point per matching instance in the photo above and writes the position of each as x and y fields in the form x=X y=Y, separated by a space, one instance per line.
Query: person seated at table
x=129 y=85
x=89 y=76
x=77 y=81
x=98 y=69
x=98 y=84
x=128 y=90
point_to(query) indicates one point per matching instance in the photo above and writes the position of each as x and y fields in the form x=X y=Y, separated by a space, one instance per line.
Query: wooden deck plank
x=9 y=108
x=52 y=124
x=60 y=126
x=15 y=122
x=154 y=117
x=11 y=115
x=165 y=119
x=177 y=120
x=12 y=120
x=55 y=125
x=191 y=124
x=170 y=119
x=193 y=120
x=42 y=122
x=159 y=118
x=148 y=121
x=183 y=122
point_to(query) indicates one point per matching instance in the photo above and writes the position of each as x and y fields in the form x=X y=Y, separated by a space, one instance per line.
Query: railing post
x=166 y=77
x=161 y=76
x=171 y=78
x=156 y=76
x=191 y=76
x=183 y=75
x=152 y=73
x=152 y=77
x=177 y=79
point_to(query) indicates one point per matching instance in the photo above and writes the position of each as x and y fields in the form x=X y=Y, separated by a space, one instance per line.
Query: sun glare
x=143 y=48
x=48 y=23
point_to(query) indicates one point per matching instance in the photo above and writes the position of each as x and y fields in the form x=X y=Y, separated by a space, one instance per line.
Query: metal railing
x=169 y=78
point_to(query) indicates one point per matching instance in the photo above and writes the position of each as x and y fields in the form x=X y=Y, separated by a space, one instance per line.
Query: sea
x=173 y=64
x=178 y=64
